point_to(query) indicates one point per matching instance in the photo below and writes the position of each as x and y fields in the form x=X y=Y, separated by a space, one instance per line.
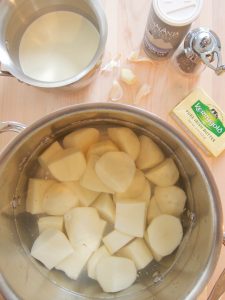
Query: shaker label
x=209 y=118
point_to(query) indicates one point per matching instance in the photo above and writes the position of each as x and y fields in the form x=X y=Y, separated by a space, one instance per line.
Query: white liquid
x=57 y=46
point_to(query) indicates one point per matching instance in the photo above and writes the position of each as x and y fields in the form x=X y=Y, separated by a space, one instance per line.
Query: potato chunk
x=136 y=187
x=86 y=197
x=138 y=252
x=102 y=147
x=115 y=274
x=68 y=165
x=170 y=200
x=153 y=210
x=165 y=174
x=50 y=222
x=49 y=153
x=84 y=227
x=58 y=199
x=156 y=256
x=150 y=154
x=131 y=218
x=116 y=240
x=105 y=207
x=95 y=259
x=126 y=140
x=165 y=233
x=73 y=264
x=51 y=247
x=35 y=194
x=81 y=139
x=116 y=170
x=90 y=180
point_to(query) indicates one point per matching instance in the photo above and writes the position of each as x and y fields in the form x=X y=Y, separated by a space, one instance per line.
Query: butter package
x=203 y=120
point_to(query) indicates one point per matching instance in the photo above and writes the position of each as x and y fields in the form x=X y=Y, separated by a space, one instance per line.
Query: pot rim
x=103 y=33
x=92 y=107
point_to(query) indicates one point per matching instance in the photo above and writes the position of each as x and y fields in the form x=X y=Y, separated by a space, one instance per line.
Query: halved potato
x=156 y=256
x=165 y=174
x=150 y=154
x=95 y=259
x=68 y=165
x=90 y=180
x=51 y=247
x=138 y=252
x=86 y=197
x=49 y=153
x=105 y=207
x=116 y=170
x=58 y=199
x=84 y=227
x=170 y=200
x=116 y=240
x=115 y=274
x=50 y=222
x=81 y=139
x=136 y=187
x=165 y=233
x=126 y=140
x=35 y=194
x=153 y=210
x=102 y=147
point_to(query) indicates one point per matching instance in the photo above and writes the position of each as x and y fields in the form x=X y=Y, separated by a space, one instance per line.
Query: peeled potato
x=51 y=247
x=153 y=210
x=86 y=197
x=73 y=264
x=143 y=197
x=165 y=174
x=115 y=274
x=126 y=140
x=49 y=153
x=58 y=199
x=68 y=165
x=116 y=170
x=150 y=154
x=170 y=200
x=102 y=147
x=165 y=233
x=50 y=222
x=94 y=260
x=105 y=207
x=131 y=218
x=84 y=227
x=138 y=252
x=90 y=180
x=116 y=240
x=155 y=255
x=81 y=139
x=136 y=187
x=35 y=194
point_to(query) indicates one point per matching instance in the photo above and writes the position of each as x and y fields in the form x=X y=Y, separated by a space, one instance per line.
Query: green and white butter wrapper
x=203 y=120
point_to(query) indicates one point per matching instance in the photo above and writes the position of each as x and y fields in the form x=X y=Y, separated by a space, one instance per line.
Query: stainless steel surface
x=15 y=17
x=202 y=45
x=181 y=276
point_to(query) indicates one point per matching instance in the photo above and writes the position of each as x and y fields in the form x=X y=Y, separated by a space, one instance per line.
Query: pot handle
x=5 y=73
x=11 y=126
x=219 y=287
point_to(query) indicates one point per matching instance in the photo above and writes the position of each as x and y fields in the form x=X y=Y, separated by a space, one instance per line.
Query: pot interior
x=177 y=276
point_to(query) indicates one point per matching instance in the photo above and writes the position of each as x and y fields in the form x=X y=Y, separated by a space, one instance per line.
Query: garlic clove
x=128 y=76
x=143 y=91
x=116 y=92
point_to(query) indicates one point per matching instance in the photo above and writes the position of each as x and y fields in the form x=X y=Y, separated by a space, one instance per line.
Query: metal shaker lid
x=177 y=12
x=203 y=44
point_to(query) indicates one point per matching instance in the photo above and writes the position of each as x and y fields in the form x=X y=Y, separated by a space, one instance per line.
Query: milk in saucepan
x=58 y=46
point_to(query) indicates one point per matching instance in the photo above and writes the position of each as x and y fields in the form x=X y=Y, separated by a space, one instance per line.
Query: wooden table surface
x=126 y=21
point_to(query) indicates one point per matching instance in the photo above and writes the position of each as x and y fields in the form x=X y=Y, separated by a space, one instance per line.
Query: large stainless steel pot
x=17 y=15
x=181 y=276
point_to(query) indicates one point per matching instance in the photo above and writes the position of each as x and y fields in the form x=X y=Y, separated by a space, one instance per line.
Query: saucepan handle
x=219 y=287
x=11 y=126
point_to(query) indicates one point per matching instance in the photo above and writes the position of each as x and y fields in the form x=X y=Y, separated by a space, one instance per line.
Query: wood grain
x=127 y=20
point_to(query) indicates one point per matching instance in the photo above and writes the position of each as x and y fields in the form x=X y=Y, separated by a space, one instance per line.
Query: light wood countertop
x=126 y=21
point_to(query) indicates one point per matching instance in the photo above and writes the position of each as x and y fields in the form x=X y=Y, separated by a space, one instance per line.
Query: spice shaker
x=201 y=48
x=168 y=23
